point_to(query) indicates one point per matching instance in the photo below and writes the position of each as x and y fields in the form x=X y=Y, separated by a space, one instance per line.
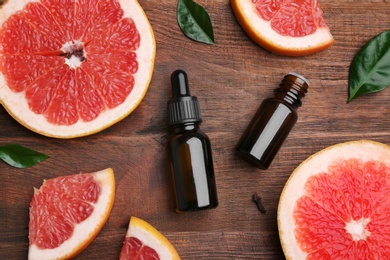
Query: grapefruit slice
x=143 y=241
x=286 y=27
x=336 y=204
x=73 y=71
x=67 y=212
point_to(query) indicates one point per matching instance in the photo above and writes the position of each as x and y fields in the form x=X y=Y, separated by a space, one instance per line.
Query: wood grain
x=230 y=78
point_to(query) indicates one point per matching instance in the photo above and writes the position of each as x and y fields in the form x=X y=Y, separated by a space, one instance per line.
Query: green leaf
x=370 y=69
x=19 y=156
x=195 y=22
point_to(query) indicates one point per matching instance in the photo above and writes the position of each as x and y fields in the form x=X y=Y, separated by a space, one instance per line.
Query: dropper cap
x=182 y=108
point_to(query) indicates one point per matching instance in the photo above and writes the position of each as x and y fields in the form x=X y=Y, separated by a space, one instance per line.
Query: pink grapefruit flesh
x=133 y=248
x=335 y=205
x=286 y=27
x=144 y=242
x=67 y=212
x=73 y=68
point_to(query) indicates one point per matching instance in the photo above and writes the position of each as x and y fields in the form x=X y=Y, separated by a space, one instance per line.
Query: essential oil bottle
x=189 y=150
x=273 y=122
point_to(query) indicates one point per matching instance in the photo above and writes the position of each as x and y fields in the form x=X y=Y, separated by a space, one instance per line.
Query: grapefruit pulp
x=336 y=204
x=286 y=27
x=143 y=241
x=67 y=212
x=72 y=68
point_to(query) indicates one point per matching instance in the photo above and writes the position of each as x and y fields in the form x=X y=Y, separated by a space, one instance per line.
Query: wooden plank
x=230 y=78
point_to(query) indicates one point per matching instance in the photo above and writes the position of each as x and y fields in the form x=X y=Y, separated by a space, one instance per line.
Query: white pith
x=73 y=62
x=148 y=239
x=358 y=229
x=264 y=29
x=17 y=106
x=318 y=163
x=83 y=231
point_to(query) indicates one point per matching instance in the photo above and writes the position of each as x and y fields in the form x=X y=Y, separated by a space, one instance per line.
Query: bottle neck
x=187 y=127
x=291 y=90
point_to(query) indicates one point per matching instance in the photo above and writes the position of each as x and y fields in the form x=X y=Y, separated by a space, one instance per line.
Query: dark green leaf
x=370 y=69
x=195 y=22
x=19 y=156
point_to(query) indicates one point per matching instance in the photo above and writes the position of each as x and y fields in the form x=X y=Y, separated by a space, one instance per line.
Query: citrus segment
x=19 y=36
x=46 y=21
x=67 y=212
x=143 y=241
x=291 y=18
x=133 y=248
x=287 y=27
x=69 y=72
x=335 y=205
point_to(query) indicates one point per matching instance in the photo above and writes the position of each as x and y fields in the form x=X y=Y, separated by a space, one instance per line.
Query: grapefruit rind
x=260 y=31
x=152 y=238
x=364 y=150
x=17 y=107
x=86 y=231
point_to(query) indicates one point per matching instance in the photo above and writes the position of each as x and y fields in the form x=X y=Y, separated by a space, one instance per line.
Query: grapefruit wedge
x=286 y=27
x=143 y=241
x=336 y=204
x=67 y=213
x=74 y=67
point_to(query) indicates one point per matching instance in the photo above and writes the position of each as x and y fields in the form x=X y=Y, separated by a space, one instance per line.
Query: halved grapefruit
x=72 y=68
x=143 y=241
x=336 y=204
x=67 y=213
x=286 y=27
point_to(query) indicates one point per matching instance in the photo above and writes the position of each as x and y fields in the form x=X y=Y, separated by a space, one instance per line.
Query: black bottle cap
x=182 y=108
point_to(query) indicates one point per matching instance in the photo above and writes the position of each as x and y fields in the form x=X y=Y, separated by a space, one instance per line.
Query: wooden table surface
x=230 y=78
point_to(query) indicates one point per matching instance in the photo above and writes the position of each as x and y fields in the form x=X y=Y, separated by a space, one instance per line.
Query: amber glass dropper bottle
x=273 y=122
x=189 y=150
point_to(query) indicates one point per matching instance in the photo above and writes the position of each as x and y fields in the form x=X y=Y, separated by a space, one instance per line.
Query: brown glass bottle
x=189 y=150
x=273 y=122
